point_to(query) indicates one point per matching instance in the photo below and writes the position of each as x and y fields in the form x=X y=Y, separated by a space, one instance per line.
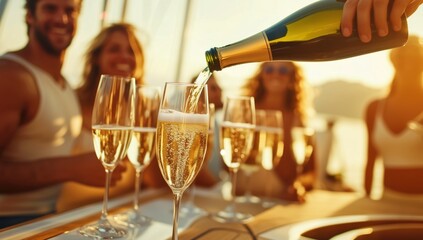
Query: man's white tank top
x=51 y=133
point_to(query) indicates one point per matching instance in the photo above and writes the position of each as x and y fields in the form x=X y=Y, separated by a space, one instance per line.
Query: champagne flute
x=253 y=162
x=141 y=149
x=269 y=131
x=236 y=137
x=302 y=146
x=267 y=148
x=112 y=123
x=181 y=138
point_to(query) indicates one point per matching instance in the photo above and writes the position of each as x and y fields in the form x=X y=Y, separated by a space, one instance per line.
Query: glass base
x=103 y=229
x=132 y=219
x=248 y=199
x=229 y=216
x=268 y=203
x=190 y=208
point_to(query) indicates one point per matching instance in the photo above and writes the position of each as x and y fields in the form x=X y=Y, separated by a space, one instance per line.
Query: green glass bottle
x=310 y=34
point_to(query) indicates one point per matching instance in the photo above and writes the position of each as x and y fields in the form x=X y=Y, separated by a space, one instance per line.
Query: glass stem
x=268 y=187
x=299 y=170
x=176 y=203
x=233 y=173
x=191 y=195
x=247 y=187
x=138 y=179
x=106 y=195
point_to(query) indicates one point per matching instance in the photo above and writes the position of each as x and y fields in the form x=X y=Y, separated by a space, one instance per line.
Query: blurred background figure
x=116 y=50
x=394 y=125
x=281 y=86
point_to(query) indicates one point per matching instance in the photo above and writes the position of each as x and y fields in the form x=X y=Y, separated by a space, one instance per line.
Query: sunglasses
x=282 y=70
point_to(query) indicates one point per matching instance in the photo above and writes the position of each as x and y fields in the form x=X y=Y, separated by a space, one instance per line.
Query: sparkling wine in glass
x=112 y=123
x=270 y=133
x=236 y=138
x=189 y=206
x=181 y=138
x=141 y=149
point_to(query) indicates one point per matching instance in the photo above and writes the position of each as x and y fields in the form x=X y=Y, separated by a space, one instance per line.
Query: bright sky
x=210 y=24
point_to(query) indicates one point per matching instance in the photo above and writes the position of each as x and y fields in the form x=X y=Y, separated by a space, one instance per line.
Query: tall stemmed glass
x=236 y=138
x=302 y=146
x=181 y=139
x=112 y=123
x=141 y=149
x=267 y=148
x=268 y=143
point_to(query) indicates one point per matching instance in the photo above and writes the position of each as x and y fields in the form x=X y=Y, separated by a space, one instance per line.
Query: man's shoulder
x=17 y=84
x=13 y=70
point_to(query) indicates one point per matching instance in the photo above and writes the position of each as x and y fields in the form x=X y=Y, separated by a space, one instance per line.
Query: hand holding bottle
x=313 y=33
x=363 y=10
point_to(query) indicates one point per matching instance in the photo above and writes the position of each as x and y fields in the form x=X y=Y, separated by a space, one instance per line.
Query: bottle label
x=329 y=22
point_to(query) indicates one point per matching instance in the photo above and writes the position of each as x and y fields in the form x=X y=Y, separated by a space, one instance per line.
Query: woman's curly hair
x=295 y=95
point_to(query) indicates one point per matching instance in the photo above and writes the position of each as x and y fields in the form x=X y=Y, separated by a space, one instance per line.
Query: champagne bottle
x=310 y=34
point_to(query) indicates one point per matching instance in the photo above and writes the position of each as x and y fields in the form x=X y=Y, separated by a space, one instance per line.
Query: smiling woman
x=114 y=51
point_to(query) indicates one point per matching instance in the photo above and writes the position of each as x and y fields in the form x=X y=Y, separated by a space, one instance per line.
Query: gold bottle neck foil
x=252 y=49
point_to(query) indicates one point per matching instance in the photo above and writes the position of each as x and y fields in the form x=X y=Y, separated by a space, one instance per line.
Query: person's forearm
x=25 y=176
x=368 y=179
x=368 y=185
